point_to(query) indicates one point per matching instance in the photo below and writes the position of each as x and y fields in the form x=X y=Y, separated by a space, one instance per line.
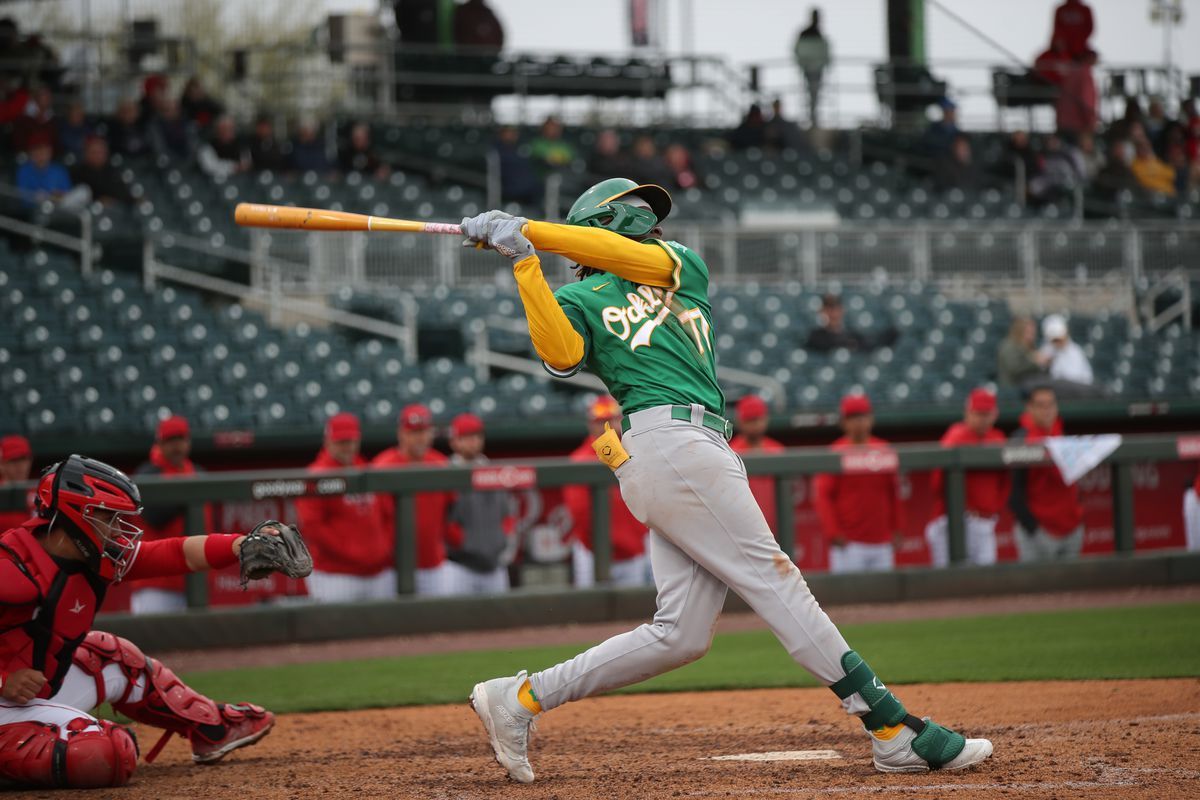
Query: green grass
x=1141 y=642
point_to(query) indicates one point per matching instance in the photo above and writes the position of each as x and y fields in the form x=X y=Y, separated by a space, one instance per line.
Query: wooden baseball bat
x=257 y=215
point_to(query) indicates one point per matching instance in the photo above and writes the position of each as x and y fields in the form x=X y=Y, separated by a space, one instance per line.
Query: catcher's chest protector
x=43 y=635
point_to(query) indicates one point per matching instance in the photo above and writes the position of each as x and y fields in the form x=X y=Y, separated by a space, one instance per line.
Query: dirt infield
x=1132 y=740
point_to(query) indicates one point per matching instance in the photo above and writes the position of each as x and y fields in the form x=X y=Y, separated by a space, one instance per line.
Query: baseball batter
x=639 y=318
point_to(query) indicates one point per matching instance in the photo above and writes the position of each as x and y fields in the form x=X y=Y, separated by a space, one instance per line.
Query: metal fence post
x=1122 y=496
x=785 y=521
x=956 y=511
x=601 y=535
x=406 y=543
x=196 y=585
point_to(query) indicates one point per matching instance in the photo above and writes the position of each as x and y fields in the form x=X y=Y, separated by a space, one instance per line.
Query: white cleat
x=507 y=723
x=896 y=754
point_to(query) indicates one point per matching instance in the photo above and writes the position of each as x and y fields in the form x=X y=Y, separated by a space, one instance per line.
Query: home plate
x=783 y=755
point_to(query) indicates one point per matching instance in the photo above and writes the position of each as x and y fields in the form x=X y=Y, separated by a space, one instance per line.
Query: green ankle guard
x=936 y=744
x=885 y=709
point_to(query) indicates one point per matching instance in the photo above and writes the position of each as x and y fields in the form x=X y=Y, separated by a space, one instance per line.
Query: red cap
x=342 y=427
x=604 y=407
x=981 y=400
x=752 y=407
x=173 y=428
x=14 y=447
x=465 y=425
x=415 y=417
x=855 y=404
x=38 y=139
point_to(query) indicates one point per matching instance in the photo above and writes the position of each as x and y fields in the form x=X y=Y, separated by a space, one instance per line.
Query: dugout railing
x=195 y=491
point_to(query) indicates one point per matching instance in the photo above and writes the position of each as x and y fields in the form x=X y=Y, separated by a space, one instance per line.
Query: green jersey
x=650 y=346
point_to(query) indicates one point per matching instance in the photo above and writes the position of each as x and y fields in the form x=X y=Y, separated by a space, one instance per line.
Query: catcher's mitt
x=264 y=553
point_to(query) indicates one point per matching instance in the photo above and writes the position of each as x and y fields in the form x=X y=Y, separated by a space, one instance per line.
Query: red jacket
x=1039 y=495
x=1073 y=25
x=346 y=534
x=987 y=490
x=627 y=534
x=43 y=620
x=862 y=508
x=166 y=522
x=762 y=486
x=431 y=508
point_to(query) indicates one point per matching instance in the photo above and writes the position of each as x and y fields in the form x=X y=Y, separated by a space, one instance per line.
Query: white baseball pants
x=74 y=700
x=1191 y=518
x=630 y=572
x=460 y=580
x=981 y=540
x=707 y=535
x=1041 y=545
x=859 y=557
x=157 y=601
x=335 y=587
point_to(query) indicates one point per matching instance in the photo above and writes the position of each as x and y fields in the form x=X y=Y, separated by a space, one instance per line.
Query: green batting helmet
x=600 y=207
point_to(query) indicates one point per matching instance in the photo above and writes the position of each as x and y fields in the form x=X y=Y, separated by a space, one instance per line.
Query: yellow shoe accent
x=527 y=699
x=886 y=733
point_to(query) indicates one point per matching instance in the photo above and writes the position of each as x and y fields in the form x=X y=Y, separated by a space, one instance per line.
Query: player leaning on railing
x=54 y=572
x=639 y=319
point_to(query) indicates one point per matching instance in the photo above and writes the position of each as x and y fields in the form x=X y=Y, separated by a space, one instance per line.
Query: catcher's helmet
x=600 y=207
x=91 y=501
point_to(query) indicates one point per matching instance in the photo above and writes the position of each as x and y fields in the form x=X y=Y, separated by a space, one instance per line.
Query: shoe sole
x=480 y=705
x=982 y=755
x=217 y=755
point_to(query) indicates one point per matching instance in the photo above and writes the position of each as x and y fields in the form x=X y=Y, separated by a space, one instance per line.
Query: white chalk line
x=782 y=755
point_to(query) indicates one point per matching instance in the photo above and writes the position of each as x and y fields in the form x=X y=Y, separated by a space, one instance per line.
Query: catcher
x=54 y=571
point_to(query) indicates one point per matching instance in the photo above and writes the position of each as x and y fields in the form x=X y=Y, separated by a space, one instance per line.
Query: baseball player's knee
x=86 y=754
x=685 y=644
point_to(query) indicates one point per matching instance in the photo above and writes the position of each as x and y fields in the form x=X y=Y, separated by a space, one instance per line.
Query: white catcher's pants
x=76 y=697
x=1191 y=518
x=981 y=540
x=859 y=557
x=707 y=534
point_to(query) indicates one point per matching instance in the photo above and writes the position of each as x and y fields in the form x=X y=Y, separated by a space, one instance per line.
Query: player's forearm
x=555 y=339
x=652 y=264
x=215 y=551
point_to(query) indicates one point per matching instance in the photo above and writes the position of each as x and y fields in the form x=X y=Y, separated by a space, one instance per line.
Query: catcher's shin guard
x=167 y=702
x=86 y=754
x=934 y=743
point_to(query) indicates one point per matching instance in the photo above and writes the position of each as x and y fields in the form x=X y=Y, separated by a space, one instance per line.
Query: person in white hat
x=1068 y=362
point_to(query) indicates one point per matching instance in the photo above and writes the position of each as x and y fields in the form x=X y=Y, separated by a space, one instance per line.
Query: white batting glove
x=505 y=237
x=475 y=228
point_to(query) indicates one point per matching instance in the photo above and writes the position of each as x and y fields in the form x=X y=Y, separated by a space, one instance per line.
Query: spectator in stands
x=987 y=490
x=481 y=523
x=1021 y=152
x=40 y=179
x=307 y=153
x=861 y=513
x=359 y=156
x=1117 y=175
x=1155 y=125
x=956 y=169
x=170 y=456
x=646 y=166
x=751 y=131
x=519 y=181
x=353 y=548
x=477 y=27
x=1151 y=173
x=781 y=133
x=1093 y=159
x=679 y=166
x=125 y=133
x=414 y=447
x=73 y=130
x=224 y=154
x=630 y=565
x=940 y=136
x=100 y=177
x=265 y=150
x=1191 y=515
x=37 y=122
x=16 y=464
x=832 y=334
x=1052 y=65
x=1077 y=108
x=812 y=54
x=26 y=59
x=198 y=105
x=1049 y=518
x=753 y=417
x=1065 y=359
x=1063 y=170
x=1019 y=360
x=154 y=94
x=10 y=41
x=1073 y=26
x=170 y=134
x=1189 y=118
x=607 y=158
x=548 y=151
x=14 y=97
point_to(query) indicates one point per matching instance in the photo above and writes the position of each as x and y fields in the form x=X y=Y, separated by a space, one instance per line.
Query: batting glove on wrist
x=506 y=238
x=476 y=228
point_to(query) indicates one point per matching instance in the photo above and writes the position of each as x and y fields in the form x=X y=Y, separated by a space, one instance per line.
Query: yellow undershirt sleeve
x=608 y=251
x=554 y=337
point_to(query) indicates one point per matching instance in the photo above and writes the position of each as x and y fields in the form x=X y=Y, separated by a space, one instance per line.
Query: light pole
x=1168 y=13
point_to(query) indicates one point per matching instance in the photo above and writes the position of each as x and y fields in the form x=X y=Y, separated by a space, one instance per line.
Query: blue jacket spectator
x=39 y=178
x=519 y=182
x=940 y=135
x=307 y=153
